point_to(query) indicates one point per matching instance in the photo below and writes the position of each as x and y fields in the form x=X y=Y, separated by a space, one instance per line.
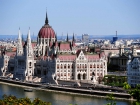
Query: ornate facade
x=50 y=60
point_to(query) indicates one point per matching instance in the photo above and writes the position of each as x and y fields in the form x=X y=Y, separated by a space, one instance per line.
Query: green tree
x=136 y=94
x=12 y=100
x=126 y=85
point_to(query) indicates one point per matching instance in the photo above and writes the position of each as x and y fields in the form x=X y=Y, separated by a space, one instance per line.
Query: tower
x=67 y=38
x=29 y=59
x=19 y=45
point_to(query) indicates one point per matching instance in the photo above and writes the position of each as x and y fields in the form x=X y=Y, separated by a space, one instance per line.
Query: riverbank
x=65 y=90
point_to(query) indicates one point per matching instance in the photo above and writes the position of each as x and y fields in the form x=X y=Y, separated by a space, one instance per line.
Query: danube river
x=54 y=97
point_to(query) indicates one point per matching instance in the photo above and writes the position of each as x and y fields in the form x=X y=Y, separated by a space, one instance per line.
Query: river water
x=54 y=97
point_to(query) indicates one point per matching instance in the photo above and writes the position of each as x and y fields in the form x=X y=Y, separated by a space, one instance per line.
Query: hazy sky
x=94 y=17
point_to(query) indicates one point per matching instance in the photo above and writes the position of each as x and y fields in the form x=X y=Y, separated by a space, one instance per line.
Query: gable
x=81 y=56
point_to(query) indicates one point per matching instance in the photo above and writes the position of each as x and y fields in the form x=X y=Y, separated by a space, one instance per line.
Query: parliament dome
x=46 y=31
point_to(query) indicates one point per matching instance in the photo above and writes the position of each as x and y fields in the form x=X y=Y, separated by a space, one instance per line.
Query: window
x=30 y=64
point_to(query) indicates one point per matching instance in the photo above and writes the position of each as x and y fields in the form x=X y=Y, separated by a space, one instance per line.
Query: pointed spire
x=73 y=39
x=67 y=37
x=28 y=37
x=19 y=36
x=46 y=21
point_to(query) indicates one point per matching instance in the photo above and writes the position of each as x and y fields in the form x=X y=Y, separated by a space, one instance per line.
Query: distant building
x=133 y=68
x=115 y=38
x=118 y=61
x=85 y=39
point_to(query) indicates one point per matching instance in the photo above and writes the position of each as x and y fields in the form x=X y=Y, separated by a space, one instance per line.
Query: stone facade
x=50 y=60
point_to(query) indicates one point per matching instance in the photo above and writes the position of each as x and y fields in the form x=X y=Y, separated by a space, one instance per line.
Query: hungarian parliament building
x=48 y=59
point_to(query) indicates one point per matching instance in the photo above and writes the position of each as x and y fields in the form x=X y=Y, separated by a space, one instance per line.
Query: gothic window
x=57 y=66
x=65 y=66
x=77 y=65
x=80 y=66
x=101 y=66
x=61 y=66
x=30 y=64
x=68 y=66
x=94 y=66
x=90 y=65
x=85 y=66
x=72 y=66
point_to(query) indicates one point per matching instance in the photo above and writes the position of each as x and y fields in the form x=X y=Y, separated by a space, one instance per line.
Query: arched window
x=30 y=64
x=68 y=66
x=61 y=66
x=65 y=66
x=58 y=66
x=90 y=65
x=85 y=66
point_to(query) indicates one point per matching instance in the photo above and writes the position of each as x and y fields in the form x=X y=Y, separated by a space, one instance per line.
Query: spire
x=29 y=37
x=67 y=37
x=46 y=21
x=19 y=44
x=19 y=36
x=73 y=37
x=29 y=51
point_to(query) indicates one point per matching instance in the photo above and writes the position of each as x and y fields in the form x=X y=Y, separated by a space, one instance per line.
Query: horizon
x=79 y=17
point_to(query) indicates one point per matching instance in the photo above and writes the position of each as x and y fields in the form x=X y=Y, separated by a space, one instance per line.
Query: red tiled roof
x=64 y=46
x=93 y=57
x=67 y=57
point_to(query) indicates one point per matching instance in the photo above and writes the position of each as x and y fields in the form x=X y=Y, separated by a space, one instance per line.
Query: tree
x=136 y=94
x=126 y=86
x=12 y=100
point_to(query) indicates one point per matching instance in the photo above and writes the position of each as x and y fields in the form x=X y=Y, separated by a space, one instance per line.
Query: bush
x=12 y=100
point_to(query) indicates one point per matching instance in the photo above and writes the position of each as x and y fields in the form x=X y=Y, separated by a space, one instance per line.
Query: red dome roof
x=46 y=32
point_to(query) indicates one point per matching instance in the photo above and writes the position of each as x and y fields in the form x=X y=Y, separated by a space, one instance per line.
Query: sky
x=93 y=17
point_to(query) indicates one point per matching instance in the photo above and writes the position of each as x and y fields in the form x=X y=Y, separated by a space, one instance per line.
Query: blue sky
x=94 y=17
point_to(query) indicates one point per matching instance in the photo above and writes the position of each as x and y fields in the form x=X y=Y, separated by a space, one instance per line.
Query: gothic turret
x=29 y=49
x=67 y=38
x=29 y=72
x=19 y=45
